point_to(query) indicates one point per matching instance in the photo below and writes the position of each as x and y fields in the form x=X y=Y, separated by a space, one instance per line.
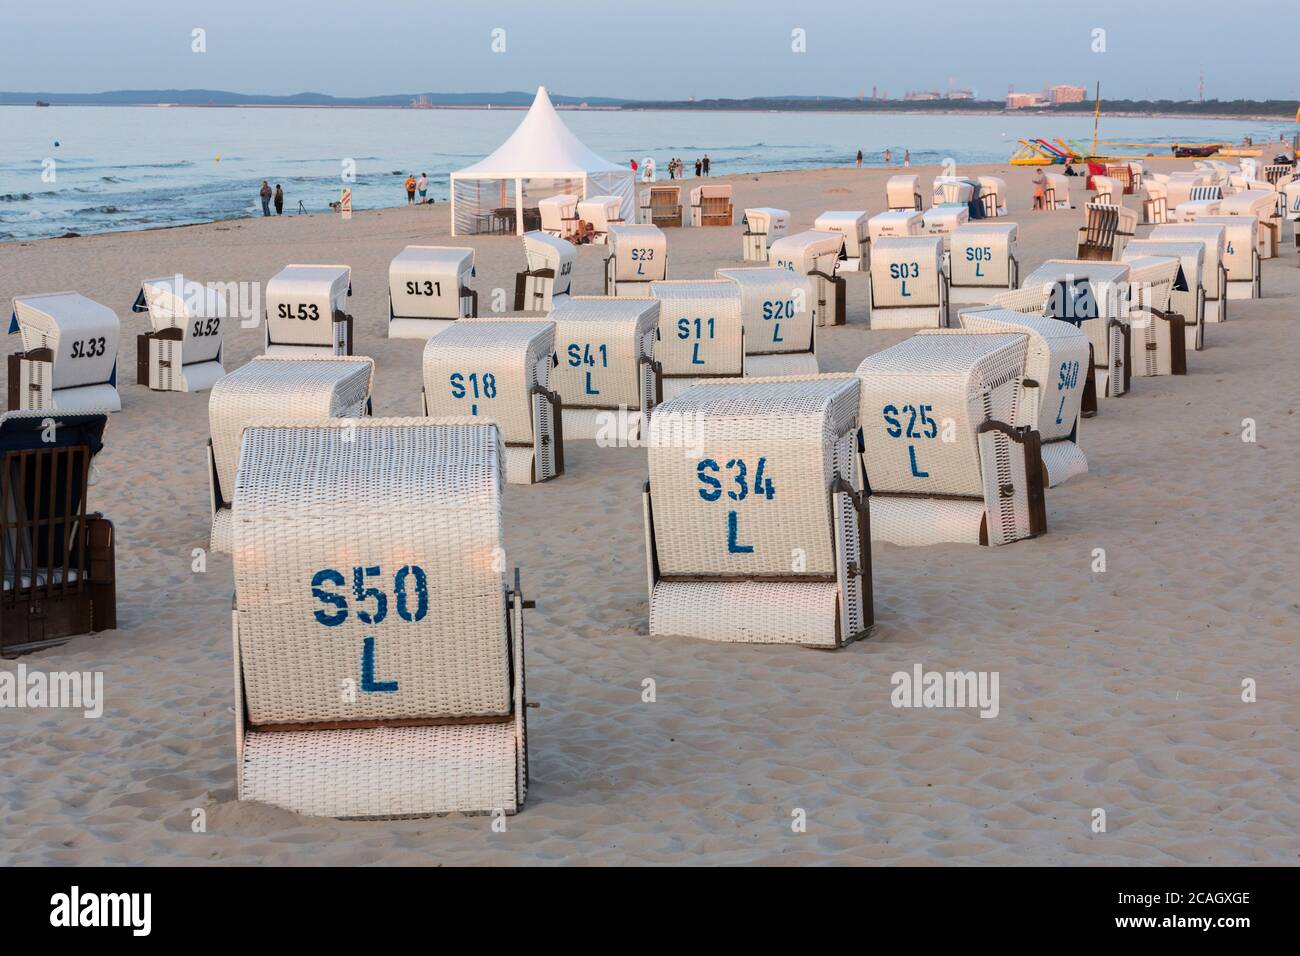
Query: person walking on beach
x=697 y=169
x=422 y=184
x=266 y=198
x=279 y=200
x=706 y=164
x=410 y=190
x=889 y=157
x=907 y=157
x=1040 y=187
x=672 y=169
x=859 y=159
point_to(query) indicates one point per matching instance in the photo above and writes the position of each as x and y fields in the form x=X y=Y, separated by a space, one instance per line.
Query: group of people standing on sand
x=677 y=168
x=889 y=157
x=414 y=185
x=267 y=196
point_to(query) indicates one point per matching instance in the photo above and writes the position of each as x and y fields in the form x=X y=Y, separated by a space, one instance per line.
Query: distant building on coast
x=1020 y=101
x=1067 y=94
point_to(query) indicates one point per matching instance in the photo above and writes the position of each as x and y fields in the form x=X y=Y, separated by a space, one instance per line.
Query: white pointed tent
x=541 y=158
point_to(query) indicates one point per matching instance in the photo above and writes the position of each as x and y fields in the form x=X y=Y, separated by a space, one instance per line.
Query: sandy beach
x=1120 y=690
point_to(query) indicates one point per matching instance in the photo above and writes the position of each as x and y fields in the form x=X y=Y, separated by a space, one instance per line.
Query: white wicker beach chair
x=1241 y=262
x=1057 y=357
x=500 y=371
x=817 y=254
x=1094 y=296
x=945 y=220
x=896 y=222
x=909 y=289
x=638 y=256
x=778 y=309
x=1195 y=209
x=852 y=225
x=1215 y=276
x=1155 y=207
x=1159 y=340
x=701 y=332
x=903 y=192
x=711 y=205
x=944 y=462
x=1291 y=196
x=69 y=357
x=1261 y=205
x=428 y=290
x=755 y=528
x=1056 y=194
x=1108 y=190
x=378 y=637
x=1188 y=297
x=661 y=206
x=559 y=215
x=983 y=261
x=993 y=194
x=607 y=376
x=763 y=226
x=1179 y=186
x=306 y=311
x=548 y=272
x=602 y=212
x=182 y=350
x=952 y=191
x=286 y=388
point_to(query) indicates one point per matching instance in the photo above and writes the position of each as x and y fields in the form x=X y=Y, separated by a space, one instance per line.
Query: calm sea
x=96 y=169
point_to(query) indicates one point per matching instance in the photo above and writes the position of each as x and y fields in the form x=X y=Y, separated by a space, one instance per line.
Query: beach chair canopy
x=701 y=330
x=777 y=307
x=541 y=158
x=424 y=282
x=768 y=221
x=559 y=213
x=852 y=225
x=808 y=252
x=896 y=222
x=301 y=301
x=82 y=334
x=601 y=211
x=603 y=344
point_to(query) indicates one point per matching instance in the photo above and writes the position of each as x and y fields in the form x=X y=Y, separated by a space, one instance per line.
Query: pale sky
x=658 y=49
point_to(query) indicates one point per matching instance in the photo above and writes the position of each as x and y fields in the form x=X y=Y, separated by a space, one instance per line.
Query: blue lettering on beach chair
x=916 y=472
x=368 y=682
x=732 y=533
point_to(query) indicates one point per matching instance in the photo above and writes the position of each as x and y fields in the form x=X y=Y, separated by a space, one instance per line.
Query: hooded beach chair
x=601 y=212
x=1108 y=190
x=1179 y=187
x=607 y=376
x=1056 y=194
x=69 y=357
x=548 y=272
x=701 y=332
x=983 y=261
x=1155 y=207
x=1159 y=341
x=903 y=192
x=378 y=632
x=1241 y=262
x=1121 y=175
x=711 y=205
x=763 y=226
x=953 y=191
x=909 y=289
x=756 y=530
x=288 y=388
x=993 y=195
x=559 y=215
x=638 y=256
x=428 y=290
x=59 y=559
x=182 y=350
x=1214 y=277
x=778 y=309
x=1052 y=386
x=661 y=206
x=306 y=311
x=852 y=225
x=1093 y=296
x=500 y=371
x=1194 y=209
x=1098 y=235
x=896 y=222
x=816 y=254
x=943 y=458
x=944 y=220
x=1188 y=295
x=1262 y=206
